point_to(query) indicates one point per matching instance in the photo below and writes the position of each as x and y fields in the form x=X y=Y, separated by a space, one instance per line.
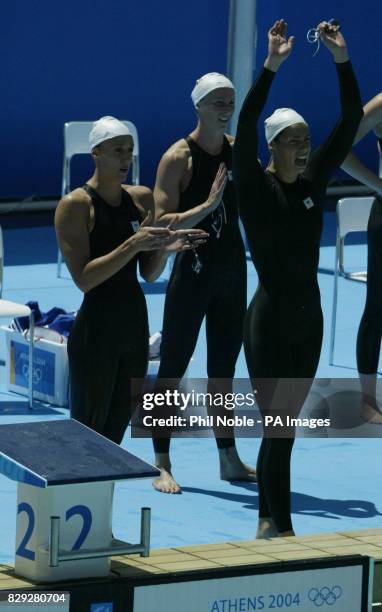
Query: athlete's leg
x=131 y=370
x=305 y=354
x=273 y=463
x=92 y=371
x=185 y=308
x=274 y=364
x=224 y=334
x=370 y=329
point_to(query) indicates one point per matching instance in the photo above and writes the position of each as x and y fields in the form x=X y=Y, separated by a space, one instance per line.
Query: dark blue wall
x=74 y=60
x=80 y=59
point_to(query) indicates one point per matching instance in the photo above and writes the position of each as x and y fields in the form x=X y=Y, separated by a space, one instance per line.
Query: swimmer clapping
x=105 y=229
x=194 y=184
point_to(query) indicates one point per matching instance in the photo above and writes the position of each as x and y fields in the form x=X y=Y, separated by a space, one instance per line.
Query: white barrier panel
x=341 y=589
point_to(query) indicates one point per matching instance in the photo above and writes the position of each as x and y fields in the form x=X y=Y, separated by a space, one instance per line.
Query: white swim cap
x=106 y=128
x=207 y=83
x=279 y=120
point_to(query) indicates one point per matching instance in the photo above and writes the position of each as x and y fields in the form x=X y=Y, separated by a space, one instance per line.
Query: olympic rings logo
x=37 y=373
x=325 y=595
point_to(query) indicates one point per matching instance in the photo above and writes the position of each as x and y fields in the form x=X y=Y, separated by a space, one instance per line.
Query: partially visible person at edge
x=370 y=329
x=194 y=186
x=104 y=230
x=282 y=210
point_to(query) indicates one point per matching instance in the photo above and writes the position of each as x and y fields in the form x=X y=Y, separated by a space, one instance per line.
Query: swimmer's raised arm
x=248 y=173
x=332 y=38
x=279 y=46
x=325 y=160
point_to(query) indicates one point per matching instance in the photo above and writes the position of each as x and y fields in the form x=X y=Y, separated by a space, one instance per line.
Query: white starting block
x=66 y=474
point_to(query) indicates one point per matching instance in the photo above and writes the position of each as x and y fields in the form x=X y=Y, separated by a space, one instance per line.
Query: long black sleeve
x=246 y=141
x=256 y=99
x=330 y=155
x=283 y=221
x=248 y=173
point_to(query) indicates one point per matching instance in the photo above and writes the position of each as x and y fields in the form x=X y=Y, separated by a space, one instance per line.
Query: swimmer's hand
x=332 y=38
x=151 y=238
x=217 y=189
x=186 y=239
x=279 y=46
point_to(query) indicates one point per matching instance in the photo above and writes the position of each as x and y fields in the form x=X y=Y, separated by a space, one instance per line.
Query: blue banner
x=44 y=365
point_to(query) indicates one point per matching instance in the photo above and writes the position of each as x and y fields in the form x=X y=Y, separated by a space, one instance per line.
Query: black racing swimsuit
x=211 y=284
x=370 y=329
x=283 y=223
x=108 y=345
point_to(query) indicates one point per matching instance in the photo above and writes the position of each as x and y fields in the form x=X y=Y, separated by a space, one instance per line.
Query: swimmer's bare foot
x=266 y=529
x=250 y=469
x=165 y=483
x=232 y=467
x=371 y=414
x=370 y=411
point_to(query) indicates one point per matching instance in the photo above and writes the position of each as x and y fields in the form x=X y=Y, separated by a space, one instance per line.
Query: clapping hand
x=151 y=238
x=217 y=188
x=184 y=239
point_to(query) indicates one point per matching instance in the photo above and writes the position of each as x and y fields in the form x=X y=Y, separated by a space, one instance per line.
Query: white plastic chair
x=76 y=142
x=352 y=216
x=13 y=309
